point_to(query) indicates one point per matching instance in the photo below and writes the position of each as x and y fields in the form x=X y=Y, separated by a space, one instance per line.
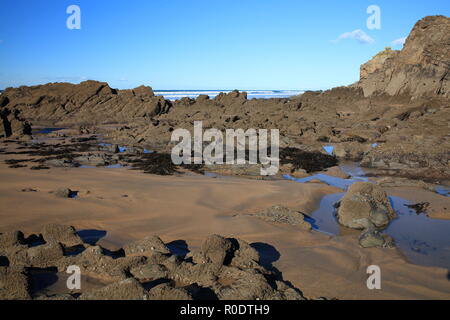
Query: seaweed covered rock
x=309 y=161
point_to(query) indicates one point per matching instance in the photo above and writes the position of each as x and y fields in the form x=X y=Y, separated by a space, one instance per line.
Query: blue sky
x=196 y=44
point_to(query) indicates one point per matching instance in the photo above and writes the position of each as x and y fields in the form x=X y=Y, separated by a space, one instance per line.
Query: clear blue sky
x=196 y=44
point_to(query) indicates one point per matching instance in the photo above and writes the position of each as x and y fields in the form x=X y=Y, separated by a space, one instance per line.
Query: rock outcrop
x=420 y=69
x=88 y=102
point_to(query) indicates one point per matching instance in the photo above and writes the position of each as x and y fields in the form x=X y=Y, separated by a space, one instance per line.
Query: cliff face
x=420 y=69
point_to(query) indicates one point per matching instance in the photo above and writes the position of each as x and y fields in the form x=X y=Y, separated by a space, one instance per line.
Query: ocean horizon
x=260 y=94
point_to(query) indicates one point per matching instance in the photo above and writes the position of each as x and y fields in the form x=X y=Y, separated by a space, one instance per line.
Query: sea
x=259 y=94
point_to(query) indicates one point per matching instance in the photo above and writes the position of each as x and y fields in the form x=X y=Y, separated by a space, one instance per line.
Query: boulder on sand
x=365 y=205
x=66 y=235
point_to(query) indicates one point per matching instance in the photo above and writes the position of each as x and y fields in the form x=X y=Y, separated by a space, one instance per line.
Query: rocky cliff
x=420 y=69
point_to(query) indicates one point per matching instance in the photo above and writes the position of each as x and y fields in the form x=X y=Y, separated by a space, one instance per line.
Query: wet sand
x=130 y=205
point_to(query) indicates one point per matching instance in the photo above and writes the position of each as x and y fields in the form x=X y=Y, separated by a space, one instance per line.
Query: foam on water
x=260 y=94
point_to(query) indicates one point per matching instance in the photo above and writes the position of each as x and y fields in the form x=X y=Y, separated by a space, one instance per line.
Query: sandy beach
x=249 y=152
x=129 y=205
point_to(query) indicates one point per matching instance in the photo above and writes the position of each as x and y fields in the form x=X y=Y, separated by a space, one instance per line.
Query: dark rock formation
x=224 y=268
x=88 y=102
x=66 y=235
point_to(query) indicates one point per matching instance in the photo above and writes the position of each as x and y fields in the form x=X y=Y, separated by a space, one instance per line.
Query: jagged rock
x=247 y=285
x=165 y=291
x=56 y=233
x=186 y=272
x=128 y=289
x=94 y=259
x=224 y=268
x=11 y=238
x=44 y=256
x=150 y=271
x=245 y=256
x=421 y=68
x=121 y=267
x=14 y=284
x=365 y=204
x=289 y=293
x=13 y=124
x=377 y=62
x=86 y=102
x=56 y=297
x=234 y=97
x=148 y=245
x=216 y=249
x=143 y=91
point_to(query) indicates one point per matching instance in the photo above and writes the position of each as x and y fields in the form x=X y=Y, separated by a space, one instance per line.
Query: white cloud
x=357 y=35
x=399 y=42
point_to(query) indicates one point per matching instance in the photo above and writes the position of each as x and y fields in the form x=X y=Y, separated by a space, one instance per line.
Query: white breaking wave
x=260 y=94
